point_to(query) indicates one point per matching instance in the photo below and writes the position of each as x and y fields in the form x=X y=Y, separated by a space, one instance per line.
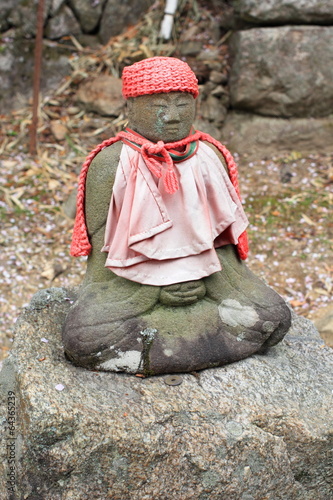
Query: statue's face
x=162 y=117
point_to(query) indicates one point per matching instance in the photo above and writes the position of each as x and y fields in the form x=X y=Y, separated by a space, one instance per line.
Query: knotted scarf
x=154 y=155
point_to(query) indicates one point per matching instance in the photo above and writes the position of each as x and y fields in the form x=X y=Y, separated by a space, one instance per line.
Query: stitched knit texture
x=158 y=75
x=80 y=240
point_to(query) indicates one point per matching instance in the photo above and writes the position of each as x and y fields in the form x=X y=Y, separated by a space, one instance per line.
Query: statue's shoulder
x=108 y=156
x=103 y=167
x=100 y=178
x=218 y=154
x=101 y=173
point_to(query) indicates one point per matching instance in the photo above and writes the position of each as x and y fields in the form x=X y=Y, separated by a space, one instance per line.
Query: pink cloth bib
x=156 y=238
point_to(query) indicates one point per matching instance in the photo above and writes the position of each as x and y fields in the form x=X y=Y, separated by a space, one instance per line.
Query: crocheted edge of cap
x=190 y=87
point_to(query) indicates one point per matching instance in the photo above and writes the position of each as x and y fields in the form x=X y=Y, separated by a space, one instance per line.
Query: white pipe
x=167 y=23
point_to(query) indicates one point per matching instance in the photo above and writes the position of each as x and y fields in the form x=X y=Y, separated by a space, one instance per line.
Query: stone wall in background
x=90 y=21
x=104 y=18
x=281 y=90
x=283 y=71
x=276 y=12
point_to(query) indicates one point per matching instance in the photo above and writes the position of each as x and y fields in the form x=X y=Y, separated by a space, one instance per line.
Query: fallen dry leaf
x=51 y=271
x=308 y=220
x=296 y=303
x=58 y=129
x=53 y=184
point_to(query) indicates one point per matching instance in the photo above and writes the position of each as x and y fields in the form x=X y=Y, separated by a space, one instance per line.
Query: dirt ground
x=288 y=199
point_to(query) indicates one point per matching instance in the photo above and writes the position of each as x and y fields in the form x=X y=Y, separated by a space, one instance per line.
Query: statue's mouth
x=171 y=128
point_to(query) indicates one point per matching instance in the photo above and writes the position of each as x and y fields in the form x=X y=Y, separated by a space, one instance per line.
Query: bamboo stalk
x=36 y=79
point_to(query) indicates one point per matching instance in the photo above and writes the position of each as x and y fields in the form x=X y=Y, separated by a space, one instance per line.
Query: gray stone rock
x=23 y=15
x=16 y=63
x=102 y=95
x=258 y=428
x=91 y=41
x=208 y=127
x=55 y=6
x=191 y=48
x=285 y=71
x=245 y=133
x=220 y=91
x=64 y=23
x=6 y=9
x=88 y=13
x=218 y=77
x=213 y=110
x=118 y=15
x=284 y=11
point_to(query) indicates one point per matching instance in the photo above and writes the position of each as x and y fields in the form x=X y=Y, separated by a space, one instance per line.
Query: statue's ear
x=129 y=106
x=196 y=109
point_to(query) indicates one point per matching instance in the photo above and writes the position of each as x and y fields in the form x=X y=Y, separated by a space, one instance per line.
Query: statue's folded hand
x=181 y=294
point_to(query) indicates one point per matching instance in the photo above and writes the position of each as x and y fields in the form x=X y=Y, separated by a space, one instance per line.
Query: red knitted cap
x=158 y=75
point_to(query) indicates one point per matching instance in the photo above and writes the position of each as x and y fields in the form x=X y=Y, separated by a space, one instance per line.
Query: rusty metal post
x=36 y=79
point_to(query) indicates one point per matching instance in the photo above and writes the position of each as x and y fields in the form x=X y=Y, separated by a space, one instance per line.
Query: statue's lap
x=179 y=328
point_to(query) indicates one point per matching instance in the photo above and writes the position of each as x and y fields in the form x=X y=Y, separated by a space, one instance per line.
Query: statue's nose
x=172 y=115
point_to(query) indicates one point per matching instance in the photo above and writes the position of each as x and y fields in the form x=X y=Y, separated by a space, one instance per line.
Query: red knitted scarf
x=151 y=152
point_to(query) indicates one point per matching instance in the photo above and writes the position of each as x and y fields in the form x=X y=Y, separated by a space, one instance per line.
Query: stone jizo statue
x=159 y=216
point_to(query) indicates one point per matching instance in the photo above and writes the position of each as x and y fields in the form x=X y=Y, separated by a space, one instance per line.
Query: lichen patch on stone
x=232 y=313
x=149 y=334
x=128 y=361
x=268 y=327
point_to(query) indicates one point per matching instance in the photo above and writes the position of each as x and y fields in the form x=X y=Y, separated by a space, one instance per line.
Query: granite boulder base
x=258 y=428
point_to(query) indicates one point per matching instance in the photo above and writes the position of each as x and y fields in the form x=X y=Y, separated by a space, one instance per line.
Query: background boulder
x=252 y=134
x=88 y=13
x=118 y=15
x=16 y=74
x=63 y=23
x=283 y=71
x=102 y=95
x=284 y=11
